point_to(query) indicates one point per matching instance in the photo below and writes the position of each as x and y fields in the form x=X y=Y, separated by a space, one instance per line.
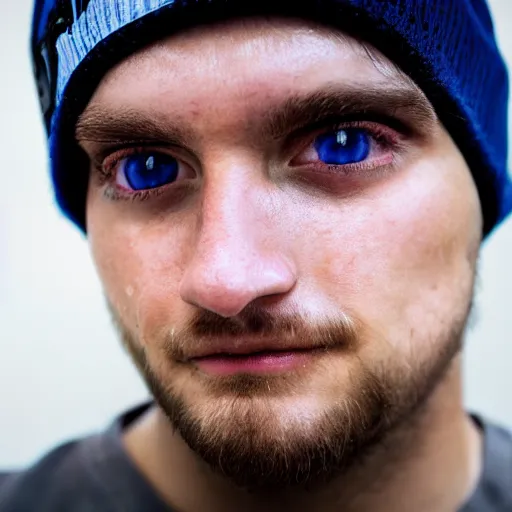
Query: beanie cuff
x=100 y=20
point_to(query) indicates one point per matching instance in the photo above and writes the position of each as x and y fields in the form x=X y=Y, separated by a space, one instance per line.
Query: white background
x=62 y=371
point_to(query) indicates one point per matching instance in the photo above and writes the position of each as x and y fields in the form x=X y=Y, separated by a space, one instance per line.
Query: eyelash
x=382 y=134
x=105 y=167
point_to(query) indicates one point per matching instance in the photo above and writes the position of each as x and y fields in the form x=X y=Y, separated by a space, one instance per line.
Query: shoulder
x=494 y=492
x=498 y=457
x=60 y=481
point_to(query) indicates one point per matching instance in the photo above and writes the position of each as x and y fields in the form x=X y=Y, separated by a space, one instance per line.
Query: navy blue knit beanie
x=447 y=47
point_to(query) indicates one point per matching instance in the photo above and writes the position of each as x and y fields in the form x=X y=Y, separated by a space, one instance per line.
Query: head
x=273 y=185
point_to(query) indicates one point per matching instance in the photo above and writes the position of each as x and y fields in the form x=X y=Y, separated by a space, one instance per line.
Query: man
x=285 y=205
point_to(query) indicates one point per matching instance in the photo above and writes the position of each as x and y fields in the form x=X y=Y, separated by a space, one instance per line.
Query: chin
x=271 y=434
x=297 y=428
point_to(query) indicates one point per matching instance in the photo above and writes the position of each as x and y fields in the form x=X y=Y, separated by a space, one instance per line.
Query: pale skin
x=251 y=222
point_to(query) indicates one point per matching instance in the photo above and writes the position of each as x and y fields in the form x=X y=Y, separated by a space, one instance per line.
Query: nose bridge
x=236 y=257
x=228 y=241
x=226 y=206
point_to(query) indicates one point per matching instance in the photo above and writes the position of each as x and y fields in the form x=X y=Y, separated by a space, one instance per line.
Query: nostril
x=221 y=293
x=230 y=290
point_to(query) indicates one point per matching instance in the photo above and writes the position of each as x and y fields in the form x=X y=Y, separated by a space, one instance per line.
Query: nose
x=239 y=254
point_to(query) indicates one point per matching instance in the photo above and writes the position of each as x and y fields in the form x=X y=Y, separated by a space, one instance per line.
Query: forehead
x=245 y=57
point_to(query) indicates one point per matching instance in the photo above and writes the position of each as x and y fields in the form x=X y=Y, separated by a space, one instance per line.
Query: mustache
x=276 y=331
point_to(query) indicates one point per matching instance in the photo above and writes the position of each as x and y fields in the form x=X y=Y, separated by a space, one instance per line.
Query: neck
x=432 y=463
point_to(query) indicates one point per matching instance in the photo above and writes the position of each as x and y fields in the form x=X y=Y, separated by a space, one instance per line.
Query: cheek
x=139 y=266
x=404 y=258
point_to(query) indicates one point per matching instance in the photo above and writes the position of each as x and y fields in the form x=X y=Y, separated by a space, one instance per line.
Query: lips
x=246 y=347
x=261 y=362
x=231 y=356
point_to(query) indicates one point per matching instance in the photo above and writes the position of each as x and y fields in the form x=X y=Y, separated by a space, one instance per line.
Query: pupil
x=341 y=137
x=145 y=172
x=343 y=146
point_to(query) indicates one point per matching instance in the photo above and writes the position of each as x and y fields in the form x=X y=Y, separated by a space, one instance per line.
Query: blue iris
x=342 y=147
x=150 y=170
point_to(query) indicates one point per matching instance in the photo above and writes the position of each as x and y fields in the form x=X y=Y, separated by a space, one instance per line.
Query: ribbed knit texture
x=446 y=46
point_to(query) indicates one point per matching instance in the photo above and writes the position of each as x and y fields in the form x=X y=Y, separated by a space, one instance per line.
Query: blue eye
x=347 y=146
x=149 y=170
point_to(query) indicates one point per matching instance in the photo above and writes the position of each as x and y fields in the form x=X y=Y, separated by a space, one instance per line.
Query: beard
x=250 y=429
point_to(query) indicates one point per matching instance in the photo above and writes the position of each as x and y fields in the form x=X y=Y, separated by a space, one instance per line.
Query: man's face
x=263 y=186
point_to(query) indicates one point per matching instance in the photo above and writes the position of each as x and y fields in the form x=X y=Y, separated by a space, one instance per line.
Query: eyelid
x=106 y=159
x=106 y=174
x=364 y=119
x=381 y=133
x=114 y=159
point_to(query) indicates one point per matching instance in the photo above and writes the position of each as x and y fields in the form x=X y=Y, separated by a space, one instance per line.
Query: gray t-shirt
x=96 y=475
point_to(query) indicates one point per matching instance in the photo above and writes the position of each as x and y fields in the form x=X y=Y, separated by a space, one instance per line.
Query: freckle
x=129 y=291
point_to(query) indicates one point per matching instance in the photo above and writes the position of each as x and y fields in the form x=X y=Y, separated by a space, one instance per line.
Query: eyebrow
x=403 y=104
x=102 y=124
